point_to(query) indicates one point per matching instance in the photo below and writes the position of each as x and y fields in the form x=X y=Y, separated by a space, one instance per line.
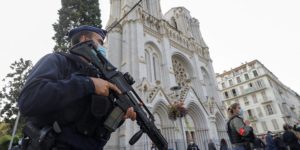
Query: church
x=169 y=60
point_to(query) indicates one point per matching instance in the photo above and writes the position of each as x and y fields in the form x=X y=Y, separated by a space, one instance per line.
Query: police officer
x=58 y=92
x=238 y=130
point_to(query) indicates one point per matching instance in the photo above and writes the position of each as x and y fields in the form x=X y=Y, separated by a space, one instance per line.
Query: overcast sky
x=236 y=31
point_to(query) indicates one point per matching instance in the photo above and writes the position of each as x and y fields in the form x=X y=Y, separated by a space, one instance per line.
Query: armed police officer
x=59 y=99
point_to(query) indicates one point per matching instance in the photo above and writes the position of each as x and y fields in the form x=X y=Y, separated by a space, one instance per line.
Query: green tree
x=4 y=128
x=11 y=91
x=74 y=13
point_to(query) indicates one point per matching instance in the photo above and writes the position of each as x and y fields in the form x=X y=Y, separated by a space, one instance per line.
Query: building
x=266 y=102
x=161 y=52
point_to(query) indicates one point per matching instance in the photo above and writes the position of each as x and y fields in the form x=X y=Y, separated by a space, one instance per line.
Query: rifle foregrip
x=114 y=119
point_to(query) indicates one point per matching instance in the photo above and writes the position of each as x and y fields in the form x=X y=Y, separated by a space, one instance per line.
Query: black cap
x=99 y=31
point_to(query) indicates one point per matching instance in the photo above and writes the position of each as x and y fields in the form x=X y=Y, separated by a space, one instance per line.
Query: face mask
x=102 y=50
x=241 y=112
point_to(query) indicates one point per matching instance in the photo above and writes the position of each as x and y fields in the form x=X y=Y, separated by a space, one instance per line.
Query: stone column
x=213 y=128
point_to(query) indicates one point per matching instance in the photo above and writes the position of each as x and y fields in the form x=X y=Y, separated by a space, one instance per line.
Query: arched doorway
x=167 y=128
x=201 y=134
x=221 y=129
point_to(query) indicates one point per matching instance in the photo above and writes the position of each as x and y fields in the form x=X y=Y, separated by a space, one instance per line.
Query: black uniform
x=58 y=89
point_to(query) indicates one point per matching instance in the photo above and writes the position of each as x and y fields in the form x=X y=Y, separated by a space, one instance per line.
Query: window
x=269 y=110
x=254 y=127
x=246 y=101
x=238 y=79
x=226 y=94
x=254 y=98
x=234 y=92
x=246 y=76
x=156 y=68
x=275 y=124
x=260 y=114
x=255 y=73
x=264 y=125
x=230 y=83
x=148 y=65
x=259 y=83
x=152 y=64
x=263 y=93
x=250 y=85
x=223 y=85
x=250 y=113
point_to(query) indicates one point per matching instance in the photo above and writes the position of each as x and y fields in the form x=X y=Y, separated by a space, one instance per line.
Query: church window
x=148 y=65
x=152 y=64
x=156 y=67
x=180 y=72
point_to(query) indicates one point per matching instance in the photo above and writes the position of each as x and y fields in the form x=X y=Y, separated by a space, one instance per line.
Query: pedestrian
x=258 y=144
x=290 y=138
x=192 y=146
x=211 y=145
x=279 y=143
x=223 y=145
x=238 y=130
x=57 y=99
x=270 y=141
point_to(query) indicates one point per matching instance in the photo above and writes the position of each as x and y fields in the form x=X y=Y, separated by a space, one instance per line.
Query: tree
x=74 y=13
x=11 y=91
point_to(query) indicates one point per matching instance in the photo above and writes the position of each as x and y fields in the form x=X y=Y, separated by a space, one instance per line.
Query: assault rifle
x=128 y=98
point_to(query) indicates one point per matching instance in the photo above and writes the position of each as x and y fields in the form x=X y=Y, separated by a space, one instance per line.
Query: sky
x=236 y=31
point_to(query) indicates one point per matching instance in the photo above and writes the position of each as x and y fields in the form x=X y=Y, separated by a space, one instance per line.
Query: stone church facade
x=161 y=52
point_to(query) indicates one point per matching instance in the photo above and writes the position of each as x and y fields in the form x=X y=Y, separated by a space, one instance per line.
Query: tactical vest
x=233 y=134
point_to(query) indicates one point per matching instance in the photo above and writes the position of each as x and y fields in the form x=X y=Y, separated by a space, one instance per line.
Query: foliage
x=75 y=13
x=11 y=91
x=176 y=110
x=4 y=141
x=4 y=128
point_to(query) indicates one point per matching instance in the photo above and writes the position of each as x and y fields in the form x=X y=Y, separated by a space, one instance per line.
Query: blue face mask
x=241 y=112
x=102 y=50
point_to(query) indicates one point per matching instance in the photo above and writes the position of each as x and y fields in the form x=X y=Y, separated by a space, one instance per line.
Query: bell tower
x=153 y=8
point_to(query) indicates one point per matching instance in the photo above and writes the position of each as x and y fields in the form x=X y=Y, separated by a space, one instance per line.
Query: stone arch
x=221 y=128
x=190 y=131
x=161 y=109
x=205 y=75
x=207 y=83
x=183 y=69
x=154 y=47
x=201 y=124
x=153 y=62
x=173 y=22
x=168 y=129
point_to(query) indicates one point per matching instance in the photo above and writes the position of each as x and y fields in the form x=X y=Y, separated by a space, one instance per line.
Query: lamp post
x=177 y=89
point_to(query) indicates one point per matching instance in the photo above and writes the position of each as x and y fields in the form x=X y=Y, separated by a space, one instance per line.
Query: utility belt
x=46 y=138
x=90 y=124
x=39 y=139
